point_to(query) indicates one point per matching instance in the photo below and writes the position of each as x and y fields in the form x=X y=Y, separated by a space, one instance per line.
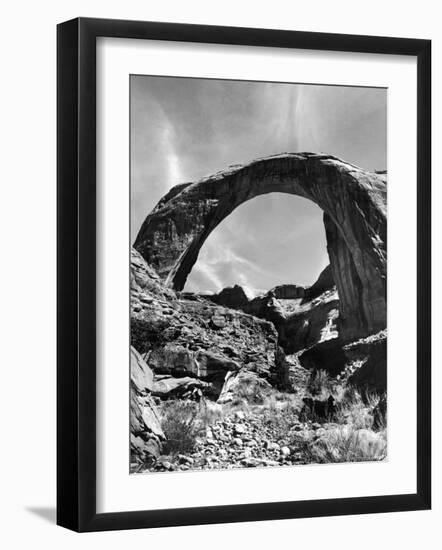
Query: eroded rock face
x=354 y=205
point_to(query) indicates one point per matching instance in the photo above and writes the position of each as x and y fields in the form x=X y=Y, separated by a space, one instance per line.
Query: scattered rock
x=285 y=451
x=175 y=387
x=218 y=321
x=240 y=429
x=247 y=453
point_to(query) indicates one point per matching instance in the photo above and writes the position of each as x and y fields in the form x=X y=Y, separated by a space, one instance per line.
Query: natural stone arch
x=355 y=219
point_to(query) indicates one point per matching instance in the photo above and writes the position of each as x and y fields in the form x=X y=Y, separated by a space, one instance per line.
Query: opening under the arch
x=270 y=240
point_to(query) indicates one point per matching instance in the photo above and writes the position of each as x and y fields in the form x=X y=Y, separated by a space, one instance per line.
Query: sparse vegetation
x=358 y=412
x=146 y=335
x=181 y=424
x=347 y=444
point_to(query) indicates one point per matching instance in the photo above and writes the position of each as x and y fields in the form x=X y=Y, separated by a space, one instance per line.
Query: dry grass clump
x=348 y=444
x=361 y=412
x=182 y=424
x=209 y=412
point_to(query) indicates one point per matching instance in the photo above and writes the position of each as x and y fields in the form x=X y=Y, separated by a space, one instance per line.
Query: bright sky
x=183 y=129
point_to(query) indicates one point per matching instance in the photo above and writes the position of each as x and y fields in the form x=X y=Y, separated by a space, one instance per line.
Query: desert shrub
x=145 y=335
x=380 y=413
x=347 y=444
x=181 y=425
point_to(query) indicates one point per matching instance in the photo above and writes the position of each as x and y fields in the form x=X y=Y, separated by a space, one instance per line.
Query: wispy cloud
x=174 y=173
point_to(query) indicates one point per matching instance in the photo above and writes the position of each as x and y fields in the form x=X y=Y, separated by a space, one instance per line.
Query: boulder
x=169 y=386
x=243 y=385
x=141 y=375
x=173 y=359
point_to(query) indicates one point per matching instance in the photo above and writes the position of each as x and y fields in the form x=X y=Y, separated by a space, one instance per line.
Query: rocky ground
x=239 y=440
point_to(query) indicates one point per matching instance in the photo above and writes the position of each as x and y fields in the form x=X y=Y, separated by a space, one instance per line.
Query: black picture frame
x=76 y=274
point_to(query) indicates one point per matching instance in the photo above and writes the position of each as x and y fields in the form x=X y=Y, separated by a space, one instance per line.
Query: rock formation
x=354 y=205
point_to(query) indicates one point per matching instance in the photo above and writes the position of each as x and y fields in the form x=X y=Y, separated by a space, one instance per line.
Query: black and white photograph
x=258 y=274
x=205 y=341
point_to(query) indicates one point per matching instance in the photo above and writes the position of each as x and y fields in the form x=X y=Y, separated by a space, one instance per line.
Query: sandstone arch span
x=355 y=219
